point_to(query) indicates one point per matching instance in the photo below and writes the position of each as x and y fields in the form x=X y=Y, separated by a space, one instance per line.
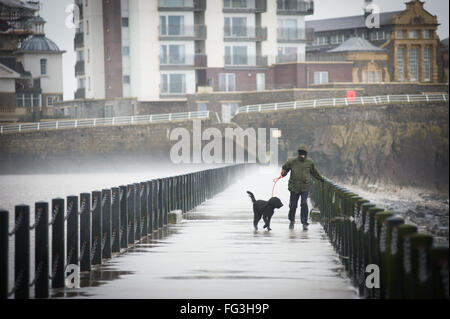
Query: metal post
x=381 y=250
x=160 y=202
x=115 y=219
x=391 y=262
x=4 y=240
x=404 y=249
x=85 y=232
x=130 y=206
x=123 y=217
x=41 y=251
x=106 y=223
x=420 y=262
x=137 y=211
x=22 y=253
x=58 y=243
x=96 y=228
x=72 y=230
x=439 y=270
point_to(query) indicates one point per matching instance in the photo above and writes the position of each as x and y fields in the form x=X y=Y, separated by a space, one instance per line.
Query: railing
x=78 y=42
x=244 y=32
x=295 y=7
x=182 y=31
x=292 y=35
x=369 y=240
x=239 y=60
x=99 y=224
x=79 y=68
x=339 y=102
x=98 y=122
x=258 y=6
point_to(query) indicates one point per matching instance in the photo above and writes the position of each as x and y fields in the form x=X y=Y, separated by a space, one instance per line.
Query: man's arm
x=315 y=173
x=286 y=168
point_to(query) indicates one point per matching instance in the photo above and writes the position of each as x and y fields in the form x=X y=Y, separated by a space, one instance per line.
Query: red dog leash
x=275 y=181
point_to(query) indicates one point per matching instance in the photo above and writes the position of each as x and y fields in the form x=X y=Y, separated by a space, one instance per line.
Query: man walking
x=301 y=168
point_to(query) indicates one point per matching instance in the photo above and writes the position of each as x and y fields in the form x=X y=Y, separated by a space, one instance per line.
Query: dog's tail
x=251 y=196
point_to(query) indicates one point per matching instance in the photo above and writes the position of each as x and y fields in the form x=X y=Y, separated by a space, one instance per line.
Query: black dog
x=264 y=209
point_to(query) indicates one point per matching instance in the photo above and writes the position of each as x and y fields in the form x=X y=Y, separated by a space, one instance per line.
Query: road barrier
x=410 y=267
x=99 y=225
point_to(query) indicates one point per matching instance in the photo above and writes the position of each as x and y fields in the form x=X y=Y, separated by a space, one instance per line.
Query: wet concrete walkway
x=215 y=253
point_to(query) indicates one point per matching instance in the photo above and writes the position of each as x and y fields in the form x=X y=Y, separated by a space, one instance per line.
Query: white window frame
x=230 y=82
x=168 y=77
x=322 y=76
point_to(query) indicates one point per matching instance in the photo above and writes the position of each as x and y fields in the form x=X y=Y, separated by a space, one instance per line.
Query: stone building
x=409 y=38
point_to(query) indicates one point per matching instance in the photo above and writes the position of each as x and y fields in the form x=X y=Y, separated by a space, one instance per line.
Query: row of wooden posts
x=96 y=225
x=410 y=265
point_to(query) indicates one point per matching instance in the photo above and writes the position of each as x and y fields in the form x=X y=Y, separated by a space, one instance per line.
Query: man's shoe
x=291 y=225
x=305 y=226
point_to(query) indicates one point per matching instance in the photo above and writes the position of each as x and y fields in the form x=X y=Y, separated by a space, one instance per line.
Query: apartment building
x=165 y=49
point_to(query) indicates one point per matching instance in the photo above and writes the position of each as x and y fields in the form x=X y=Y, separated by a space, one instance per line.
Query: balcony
x=181 y=5
x=295 y=35
x=246 y=61
x=245 y=34
x=251 y=7
x=295 y=7
x=79 y=40
x=79 y=68
x=201 y=61
x=285 y=58
x=80 y=94
x=179 y=32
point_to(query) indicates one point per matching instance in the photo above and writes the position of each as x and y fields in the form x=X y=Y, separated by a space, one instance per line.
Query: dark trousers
x=293 y=203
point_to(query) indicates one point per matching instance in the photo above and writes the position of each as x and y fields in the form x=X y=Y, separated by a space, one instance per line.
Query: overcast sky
x=54 y=12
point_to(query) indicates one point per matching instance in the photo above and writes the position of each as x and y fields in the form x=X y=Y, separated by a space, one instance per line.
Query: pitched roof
x=350 y=22
x=356 y=45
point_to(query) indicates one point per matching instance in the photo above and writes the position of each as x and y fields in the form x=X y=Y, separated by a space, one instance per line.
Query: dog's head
x=275 y=202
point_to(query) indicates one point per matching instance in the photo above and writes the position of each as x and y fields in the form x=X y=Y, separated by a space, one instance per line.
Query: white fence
x=124 y=120
x=338 y=102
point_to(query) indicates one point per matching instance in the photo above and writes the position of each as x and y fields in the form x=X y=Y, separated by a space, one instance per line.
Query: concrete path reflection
x=215 y=253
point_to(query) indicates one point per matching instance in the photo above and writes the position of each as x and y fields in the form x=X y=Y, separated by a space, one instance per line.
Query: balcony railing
x=201 y=60
x=245 y=33
x=283 y=58
x=183 y=5
x=168 y=32
x=257 y=6
x=79 y=68
x=293 y=35
x=295 y=7
x=79 y=40
x=246 y=61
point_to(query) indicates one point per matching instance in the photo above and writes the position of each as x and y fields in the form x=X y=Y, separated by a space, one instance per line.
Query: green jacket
x=301 y=171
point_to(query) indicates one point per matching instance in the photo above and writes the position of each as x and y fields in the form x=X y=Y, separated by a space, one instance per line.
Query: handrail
x=108 y=121
x=339 y=102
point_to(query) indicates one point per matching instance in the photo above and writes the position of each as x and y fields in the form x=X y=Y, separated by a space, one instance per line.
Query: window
x=426 y=64
x=125 y=51
x=87 y=26
x=320 y=77
x=235 y=4
x=413 y=63
x=202 y=107
x=377 y=35
x=171 y=25
x=52 y=99
x=426 y=34
x=80 y=55
x=321 y=40
x=43 y=66
x=126 y=79
x=81 y=83
x=227 y=82
x=173 y=83
x=287 y=54
x=125 y=22
x=28 y=100
x=378 y=76
x=173 y=54
x=235 y=27
x=413 y=34
x=371 y=76
x=401 y=64
x=236 y=55
x=400 y=34
x=287 y=29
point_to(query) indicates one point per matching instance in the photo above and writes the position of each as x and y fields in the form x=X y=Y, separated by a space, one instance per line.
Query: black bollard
x=160 y=203
x=41 y=251
x=155 y=205
x=4 y=239
x=22 y=259
x=58 y=243
x=85 y=232
x=115 y=219
x=137 y=211
x=72 y=230
x=150 y=207
x=439 y=270
x=144 y=222
x=106 y=223
x=404 y=233
x=421 y=265
x=96 y=258
x=123 y=217
x=131 y=217
x=392 y=262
